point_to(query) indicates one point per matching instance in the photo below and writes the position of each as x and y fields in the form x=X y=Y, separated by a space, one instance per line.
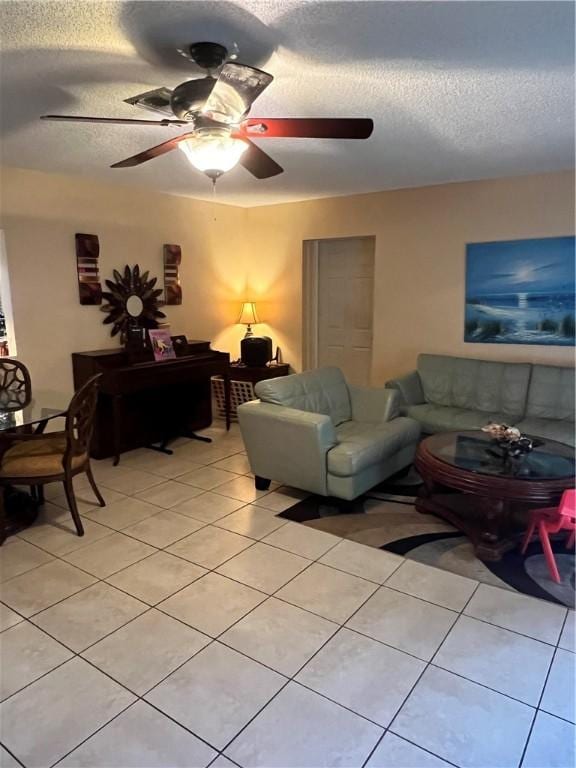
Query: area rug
x=390 y=521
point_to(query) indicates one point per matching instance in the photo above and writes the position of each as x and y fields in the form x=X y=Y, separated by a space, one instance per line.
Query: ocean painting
x=521 y=292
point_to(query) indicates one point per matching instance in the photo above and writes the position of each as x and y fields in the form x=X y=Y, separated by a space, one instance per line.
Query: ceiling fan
x=216 y=108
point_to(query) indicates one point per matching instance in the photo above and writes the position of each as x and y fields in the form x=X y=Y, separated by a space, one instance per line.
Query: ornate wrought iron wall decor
x=172 y=287
x=87 y=253
x=132 y=302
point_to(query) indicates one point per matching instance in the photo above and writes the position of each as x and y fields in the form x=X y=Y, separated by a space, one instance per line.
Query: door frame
x=310 y=288
x=6 y=296
x=310 y=263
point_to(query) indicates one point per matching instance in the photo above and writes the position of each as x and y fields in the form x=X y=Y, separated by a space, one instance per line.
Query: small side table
x=242 y=381
x=239 y=372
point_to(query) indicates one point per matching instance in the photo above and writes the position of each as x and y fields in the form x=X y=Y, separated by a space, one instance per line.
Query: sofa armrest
x=286 y=444
x=374 y=405
x=409 y=387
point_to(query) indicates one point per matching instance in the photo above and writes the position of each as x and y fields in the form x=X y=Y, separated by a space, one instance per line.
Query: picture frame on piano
x=161 y=341
x=180 y=344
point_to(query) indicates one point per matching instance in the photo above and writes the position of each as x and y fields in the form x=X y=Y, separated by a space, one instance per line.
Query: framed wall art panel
x=172 y=261
x=87 y=254
x=521 y=292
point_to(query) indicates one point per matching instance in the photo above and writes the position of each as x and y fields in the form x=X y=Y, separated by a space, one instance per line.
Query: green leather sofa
x=315 y=432
x=455 y=393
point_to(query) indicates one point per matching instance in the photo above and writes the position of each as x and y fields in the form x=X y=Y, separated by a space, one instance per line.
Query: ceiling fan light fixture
x=213 y=153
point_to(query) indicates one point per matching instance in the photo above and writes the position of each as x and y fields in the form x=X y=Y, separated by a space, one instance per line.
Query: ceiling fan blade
x=236 y=89
x=157 y=100
x=307 y=128
x=259 y=163
x=112 y=120
x=150 y=154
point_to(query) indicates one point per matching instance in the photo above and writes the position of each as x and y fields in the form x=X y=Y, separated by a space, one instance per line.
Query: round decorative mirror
x=134 y=305
x=132 y=301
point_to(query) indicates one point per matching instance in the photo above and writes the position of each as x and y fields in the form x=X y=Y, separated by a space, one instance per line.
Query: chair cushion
x=321 y=391
x=551 y=393
x=37 y=458
x=475 y=385
x=549 y=429
x=440 y=418
x=363 y=445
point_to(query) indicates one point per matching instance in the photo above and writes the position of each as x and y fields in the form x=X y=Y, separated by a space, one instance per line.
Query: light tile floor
x=191 y=626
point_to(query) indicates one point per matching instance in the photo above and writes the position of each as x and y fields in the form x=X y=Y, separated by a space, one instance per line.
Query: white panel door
x=345 y=306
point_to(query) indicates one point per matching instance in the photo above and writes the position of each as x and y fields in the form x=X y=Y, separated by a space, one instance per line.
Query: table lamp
x=248 y=317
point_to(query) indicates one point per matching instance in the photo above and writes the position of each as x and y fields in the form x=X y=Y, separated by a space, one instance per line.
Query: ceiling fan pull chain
x=214 y=180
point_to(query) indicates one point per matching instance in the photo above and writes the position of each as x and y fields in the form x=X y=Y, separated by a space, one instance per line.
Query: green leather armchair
x=315 y=432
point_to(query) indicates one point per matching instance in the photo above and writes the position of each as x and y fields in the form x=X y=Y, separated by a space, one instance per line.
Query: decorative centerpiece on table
x=509 y=441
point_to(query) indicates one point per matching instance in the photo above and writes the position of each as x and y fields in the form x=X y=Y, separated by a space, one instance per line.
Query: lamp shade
x=213 y=154
x=248 y=314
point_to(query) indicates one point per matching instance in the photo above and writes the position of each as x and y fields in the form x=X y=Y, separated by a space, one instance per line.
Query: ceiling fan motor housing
x=208 y=55
x=188 y=98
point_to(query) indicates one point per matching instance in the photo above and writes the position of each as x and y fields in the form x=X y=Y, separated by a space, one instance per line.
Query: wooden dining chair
x=39 y=459
x=16 y=393
x=15 y=383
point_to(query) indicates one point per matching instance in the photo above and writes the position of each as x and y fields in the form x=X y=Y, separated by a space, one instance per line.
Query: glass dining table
x=43 y=406
x=18 y=509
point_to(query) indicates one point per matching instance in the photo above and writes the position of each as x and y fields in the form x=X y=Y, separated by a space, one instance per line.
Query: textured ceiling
x=457 y=90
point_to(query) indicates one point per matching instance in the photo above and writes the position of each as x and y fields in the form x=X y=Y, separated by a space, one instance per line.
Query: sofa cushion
x=549 y=429
x=441 y=418
x=374 y=406
x=551 y=393
x=475 y=385
x=362 y=445
x=321 y=391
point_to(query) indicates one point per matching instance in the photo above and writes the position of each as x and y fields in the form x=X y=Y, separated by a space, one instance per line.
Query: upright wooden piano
x=145 y=403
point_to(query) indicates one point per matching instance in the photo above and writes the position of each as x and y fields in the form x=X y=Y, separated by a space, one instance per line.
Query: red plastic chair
x=553 y=520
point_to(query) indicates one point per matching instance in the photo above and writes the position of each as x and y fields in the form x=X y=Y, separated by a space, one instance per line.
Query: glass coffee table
x=483 y=493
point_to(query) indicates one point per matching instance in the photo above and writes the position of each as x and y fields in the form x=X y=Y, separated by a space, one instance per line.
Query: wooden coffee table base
x=491 y=509
x=493 y=526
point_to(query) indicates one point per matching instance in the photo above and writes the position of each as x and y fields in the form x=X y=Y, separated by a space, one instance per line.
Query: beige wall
x=420 y=259
x=40 y=214
x=232 y=254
